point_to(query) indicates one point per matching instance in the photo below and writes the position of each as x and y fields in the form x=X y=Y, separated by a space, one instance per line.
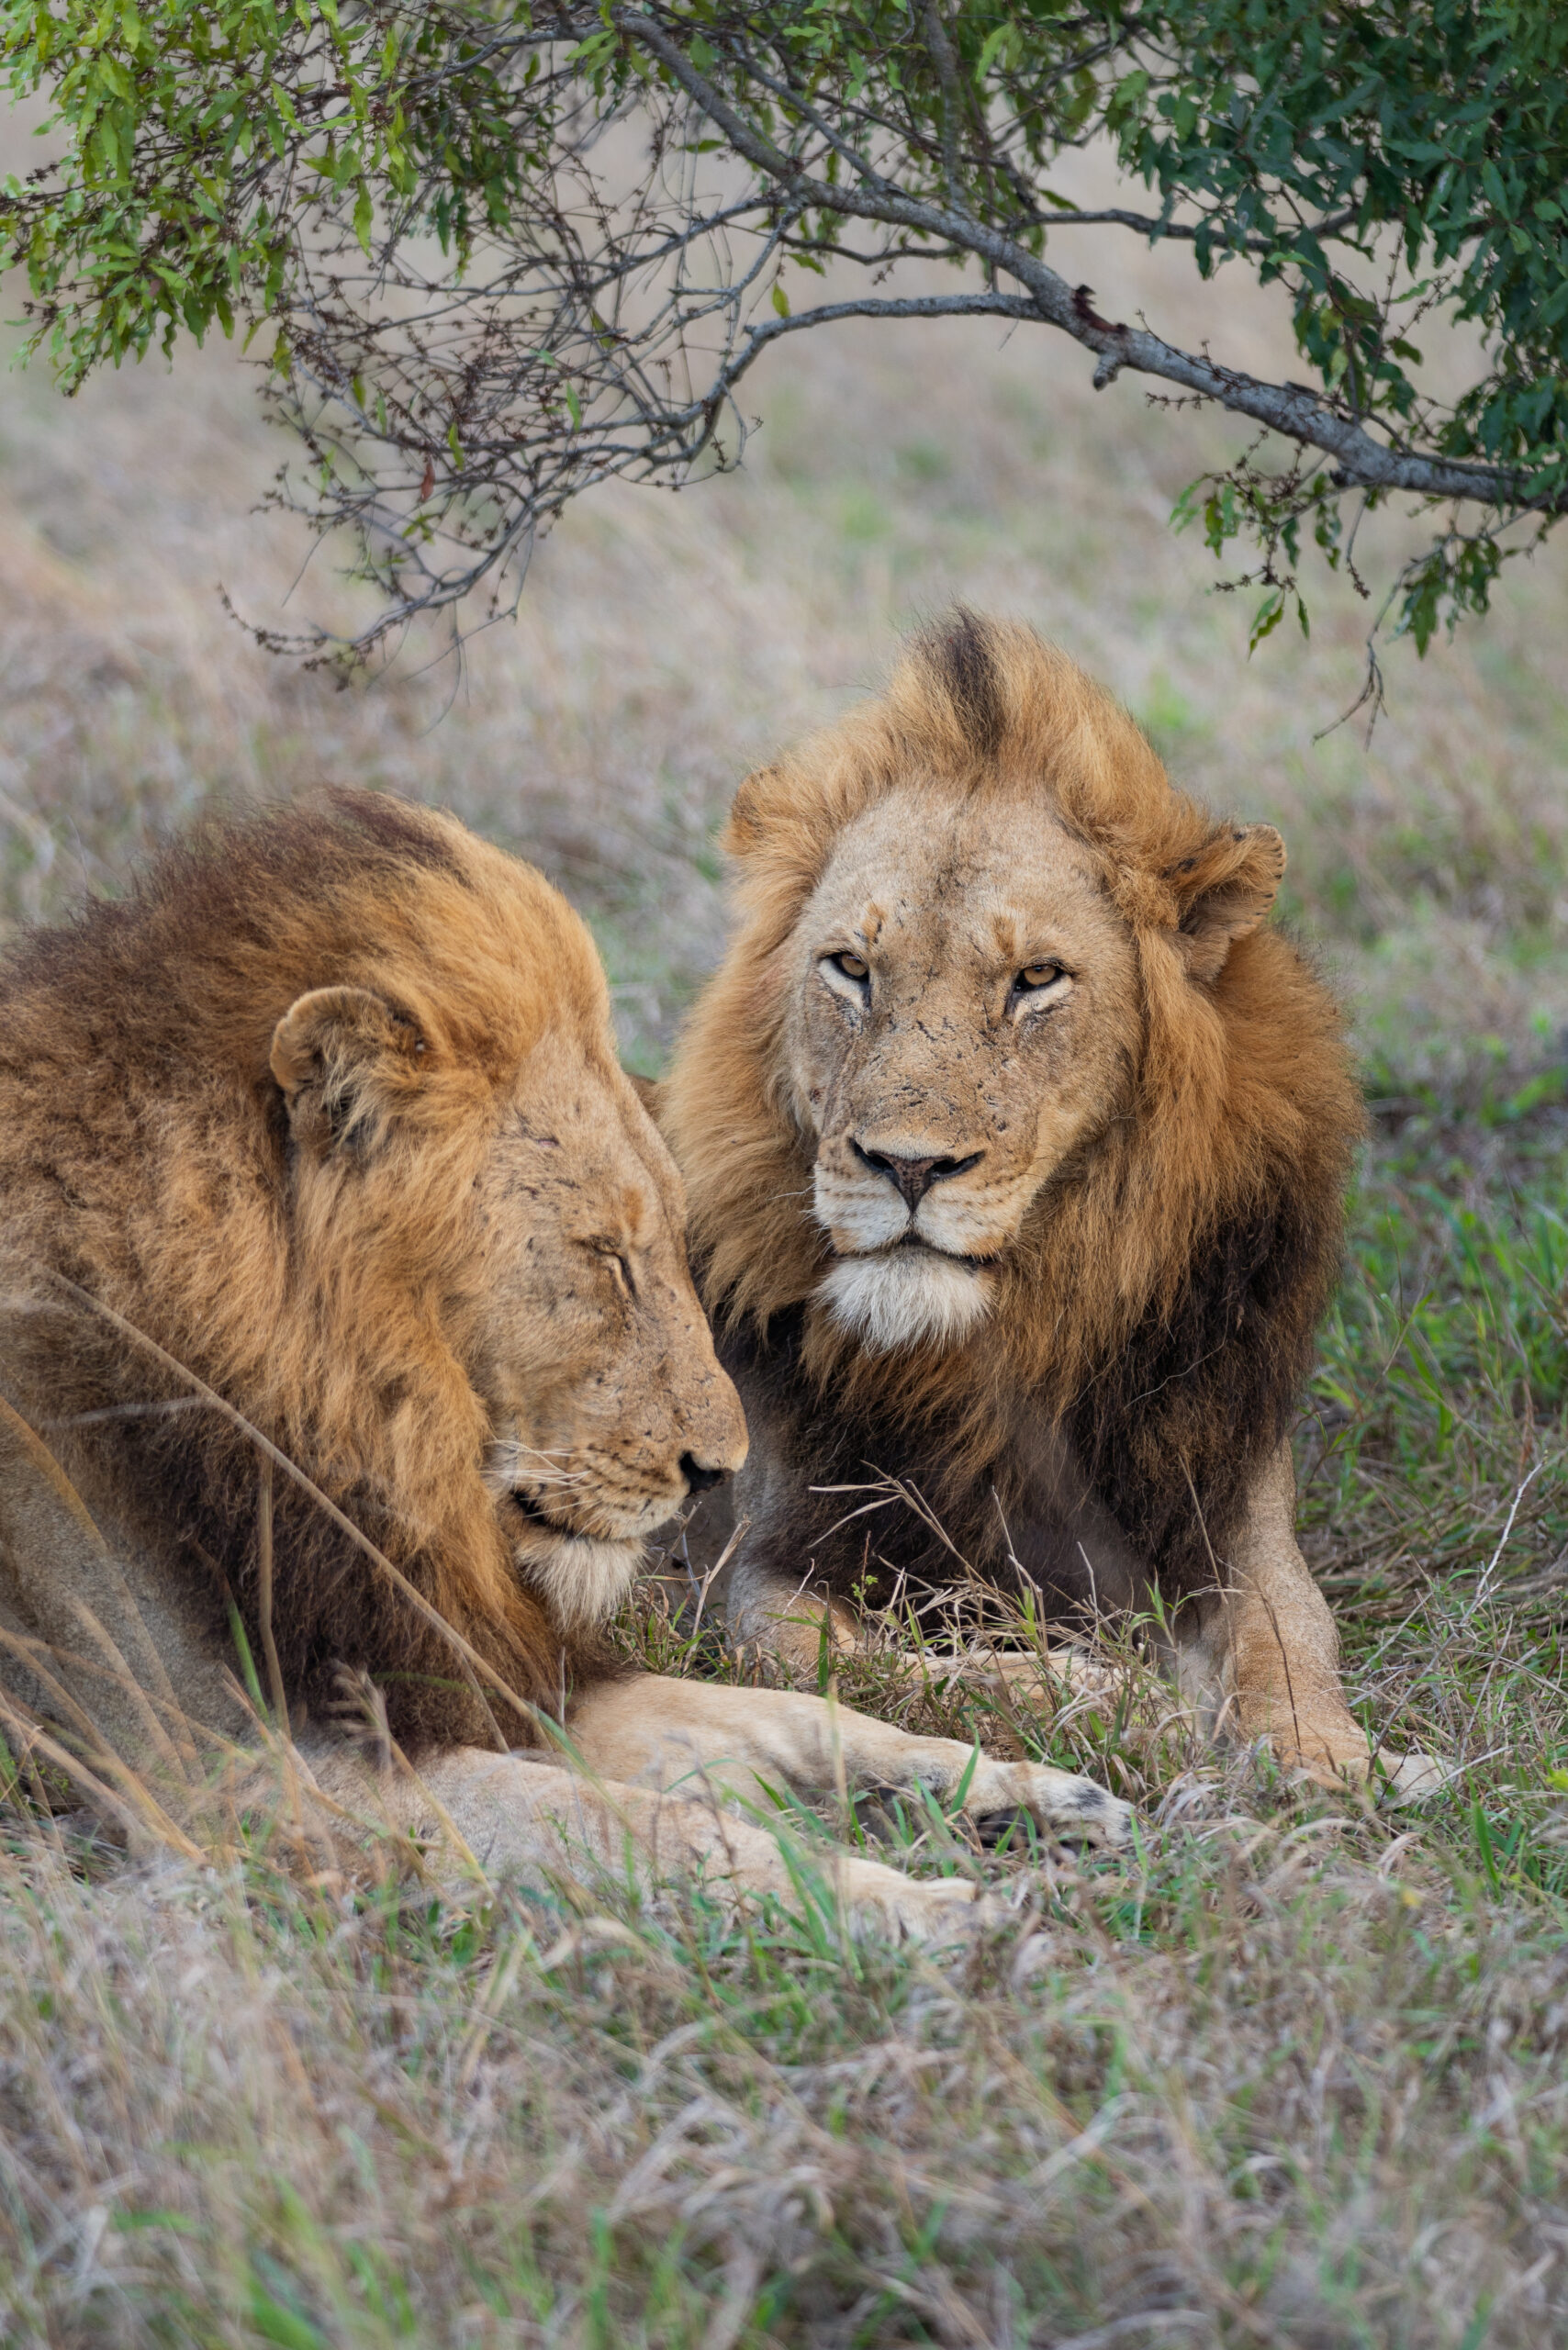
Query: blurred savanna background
x=666 y=642
x=1291 y=2077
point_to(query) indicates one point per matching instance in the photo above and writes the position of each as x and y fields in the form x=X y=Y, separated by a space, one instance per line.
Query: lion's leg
x=1263 y=1661
x=693 y=1734
x=782 y=1617
x=774 y=1616
x=115 y=1653
x=517 y=1815
x=771 y=1614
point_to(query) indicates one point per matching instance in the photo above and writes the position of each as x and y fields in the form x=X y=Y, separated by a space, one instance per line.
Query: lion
x=1015 y=1147
x=346 y=1293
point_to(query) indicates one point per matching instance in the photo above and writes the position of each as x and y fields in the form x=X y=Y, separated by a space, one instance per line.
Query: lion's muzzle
x=912 y=1227
x=911 y=1178
x=871 y=1191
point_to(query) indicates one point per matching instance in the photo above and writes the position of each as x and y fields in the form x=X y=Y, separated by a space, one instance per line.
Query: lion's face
x=532 y=1236
x=591 y=1352
x=964 y=1017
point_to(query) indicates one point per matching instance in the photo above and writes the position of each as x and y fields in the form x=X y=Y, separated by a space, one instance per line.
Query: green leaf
x=1127 y=97
x=1267 y=619
x=1003 y=47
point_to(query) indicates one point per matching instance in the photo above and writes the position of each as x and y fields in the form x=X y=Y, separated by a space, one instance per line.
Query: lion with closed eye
x=345 y=1288
x=1016 y=1145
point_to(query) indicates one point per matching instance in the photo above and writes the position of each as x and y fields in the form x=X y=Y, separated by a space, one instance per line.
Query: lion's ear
x=1225 y=891
x=747 y=825
x=344 y=1056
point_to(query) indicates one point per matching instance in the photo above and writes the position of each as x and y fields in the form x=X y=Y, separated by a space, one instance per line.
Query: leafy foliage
x=509 y=250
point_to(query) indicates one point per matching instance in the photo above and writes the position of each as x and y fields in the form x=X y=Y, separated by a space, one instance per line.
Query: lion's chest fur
x=861 y=1495
x=1138 y=1479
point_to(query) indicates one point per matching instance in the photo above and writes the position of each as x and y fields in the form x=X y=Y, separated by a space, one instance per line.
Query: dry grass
x=1293 y=2075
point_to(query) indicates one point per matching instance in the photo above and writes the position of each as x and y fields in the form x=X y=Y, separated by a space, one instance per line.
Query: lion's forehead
x=570 y=1150
x=920 y=880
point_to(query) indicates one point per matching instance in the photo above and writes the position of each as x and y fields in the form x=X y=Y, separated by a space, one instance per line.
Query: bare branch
x=1294 y=410
x=508 y=260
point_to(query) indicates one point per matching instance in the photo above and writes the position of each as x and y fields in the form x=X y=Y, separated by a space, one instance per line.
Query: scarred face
x=592 y=1354
x=964 y=1018
x=531 y=1240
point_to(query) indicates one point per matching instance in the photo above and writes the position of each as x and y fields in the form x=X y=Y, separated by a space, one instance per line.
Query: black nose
x=699 y=1478
x=914 y=1177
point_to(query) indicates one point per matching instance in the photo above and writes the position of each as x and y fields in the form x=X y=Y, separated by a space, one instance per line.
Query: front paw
x=1398 y=1778
x=1066 y=1807
x=1414 y=1778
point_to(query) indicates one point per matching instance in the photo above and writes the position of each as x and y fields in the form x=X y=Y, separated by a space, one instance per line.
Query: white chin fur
x=907 y=1297
x=581 y=1580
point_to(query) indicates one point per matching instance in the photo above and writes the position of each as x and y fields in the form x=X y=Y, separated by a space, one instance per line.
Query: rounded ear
x=344 y=1056
x=1224 y=891
x=745 y=827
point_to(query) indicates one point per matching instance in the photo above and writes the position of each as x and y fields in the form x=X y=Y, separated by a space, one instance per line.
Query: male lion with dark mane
x=345 y=1286
x=1016 y=1145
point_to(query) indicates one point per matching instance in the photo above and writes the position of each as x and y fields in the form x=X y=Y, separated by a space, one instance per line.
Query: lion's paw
x=1405 y=1778
x=1413 y=1778
x=1075 y=1811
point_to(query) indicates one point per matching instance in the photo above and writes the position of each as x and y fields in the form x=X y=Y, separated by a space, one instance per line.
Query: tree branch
x=1294 y=410
x=913 y=305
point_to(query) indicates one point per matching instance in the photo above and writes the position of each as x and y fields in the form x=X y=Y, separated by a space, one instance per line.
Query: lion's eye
x=620 y=1266
x=1037 y=975
x=854 y=966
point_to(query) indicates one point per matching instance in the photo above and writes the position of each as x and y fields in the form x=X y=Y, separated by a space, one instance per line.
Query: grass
x=1293 y=2074
x=1444 y=1375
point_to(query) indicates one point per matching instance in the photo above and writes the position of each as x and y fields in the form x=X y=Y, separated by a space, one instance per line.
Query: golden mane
x=136 y=1067
x=1241 y=1097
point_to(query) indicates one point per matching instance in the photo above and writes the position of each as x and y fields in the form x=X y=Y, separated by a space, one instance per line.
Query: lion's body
x=320 y=1138
x=146 y=1153
x=1015 y=1150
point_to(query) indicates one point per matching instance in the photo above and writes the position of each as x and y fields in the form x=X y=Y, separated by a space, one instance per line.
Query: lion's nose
x=699 y=1478
x=914 y=1177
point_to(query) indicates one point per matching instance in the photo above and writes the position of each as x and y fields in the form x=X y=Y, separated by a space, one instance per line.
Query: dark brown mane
x=958 y=656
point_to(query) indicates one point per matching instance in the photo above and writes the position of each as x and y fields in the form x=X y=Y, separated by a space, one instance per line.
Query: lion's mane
x=146 y=1158
x=1159 y=1310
